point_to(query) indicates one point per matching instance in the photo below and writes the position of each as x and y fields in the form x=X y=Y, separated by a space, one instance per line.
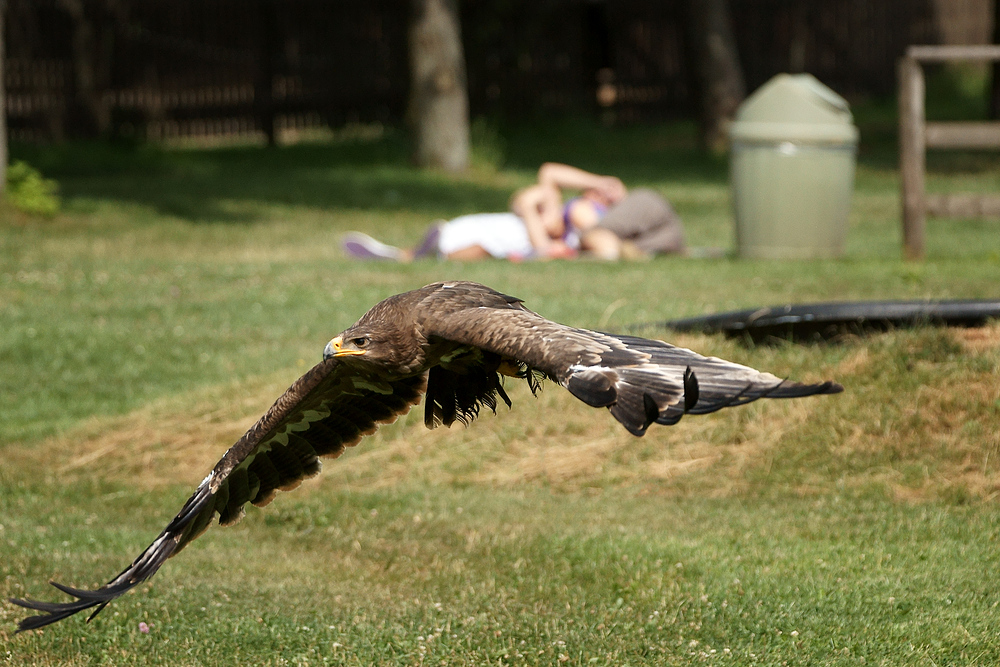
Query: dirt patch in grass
x=978 y=340
x=920 y=429
x=166 y=442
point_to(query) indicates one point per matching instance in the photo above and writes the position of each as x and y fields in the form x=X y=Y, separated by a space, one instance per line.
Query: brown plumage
x=452 y=341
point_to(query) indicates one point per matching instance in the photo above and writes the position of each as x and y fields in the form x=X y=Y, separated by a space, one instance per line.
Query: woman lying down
x=604 y=221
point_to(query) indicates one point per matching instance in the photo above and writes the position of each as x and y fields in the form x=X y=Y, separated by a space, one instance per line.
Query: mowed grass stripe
x=466 y=577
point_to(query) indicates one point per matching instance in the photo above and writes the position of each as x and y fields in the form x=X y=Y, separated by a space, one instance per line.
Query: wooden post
x=916 y=135
x=912 y=152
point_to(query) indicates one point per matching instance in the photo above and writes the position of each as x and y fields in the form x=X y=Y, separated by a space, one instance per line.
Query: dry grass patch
x=921 y=416
x=166 y=442
x=931 y=441
x=550 y=441
x=979 y=340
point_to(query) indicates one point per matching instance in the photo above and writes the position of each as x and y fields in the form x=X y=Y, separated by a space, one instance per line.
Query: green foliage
x=29 y=192
x=958 y=91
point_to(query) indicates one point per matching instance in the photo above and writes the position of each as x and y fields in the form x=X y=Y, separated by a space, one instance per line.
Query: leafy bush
x=28 y=191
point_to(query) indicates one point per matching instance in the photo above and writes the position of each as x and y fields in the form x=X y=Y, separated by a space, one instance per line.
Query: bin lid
x=796 y=108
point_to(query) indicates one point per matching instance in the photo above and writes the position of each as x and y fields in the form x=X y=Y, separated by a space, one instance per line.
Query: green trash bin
x=794 y=148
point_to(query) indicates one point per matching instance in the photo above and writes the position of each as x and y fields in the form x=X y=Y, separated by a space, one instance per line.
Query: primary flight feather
x=451 y=341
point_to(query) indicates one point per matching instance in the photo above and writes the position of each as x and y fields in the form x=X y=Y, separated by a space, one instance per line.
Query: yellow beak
x=335 y=348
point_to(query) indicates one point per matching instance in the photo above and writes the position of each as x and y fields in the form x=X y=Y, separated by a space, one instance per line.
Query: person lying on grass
x=541 y=226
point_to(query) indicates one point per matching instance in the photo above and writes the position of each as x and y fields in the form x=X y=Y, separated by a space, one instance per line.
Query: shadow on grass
x=638 y=154
x=202 y=184
x=238 y=184
x=251 y=183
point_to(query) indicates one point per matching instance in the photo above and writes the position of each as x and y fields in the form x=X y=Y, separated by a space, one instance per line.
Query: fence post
x=912 y=155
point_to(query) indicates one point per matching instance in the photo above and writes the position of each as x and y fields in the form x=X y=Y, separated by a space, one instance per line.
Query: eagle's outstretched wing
x=449 y=340
x=640 y=381
x=329 y=408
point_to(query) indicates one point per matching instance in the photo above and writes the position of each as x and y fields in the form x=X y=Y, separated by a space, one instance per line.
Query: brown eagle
x=451 y=341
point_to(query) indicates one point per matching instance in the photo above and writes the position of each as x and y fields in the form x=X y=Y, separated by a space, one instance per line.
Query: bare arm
x=563 y=176
x=540 y=207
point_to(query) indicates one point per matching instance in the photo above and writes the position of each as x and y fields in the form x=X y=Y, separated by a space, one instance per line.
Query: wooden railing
x=916 y=135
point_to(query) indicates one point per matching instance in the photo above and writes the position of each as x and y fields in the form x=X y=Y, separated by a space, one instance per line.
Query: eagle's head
x=350 y=344
x=383 y=337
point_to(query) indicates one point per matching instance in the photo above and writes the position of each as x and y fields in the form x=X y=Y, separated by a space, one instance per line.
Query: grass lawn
x=182 y=289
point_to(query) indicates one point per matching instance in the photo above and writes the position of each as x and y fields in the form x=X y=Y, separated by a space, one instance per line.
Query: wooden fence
x=916 y=135
x=162 y=68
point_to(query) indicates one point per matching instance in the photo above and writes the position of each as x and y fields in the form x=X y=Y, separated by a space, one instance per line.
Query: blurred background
x=151 y=69
x=181 y=177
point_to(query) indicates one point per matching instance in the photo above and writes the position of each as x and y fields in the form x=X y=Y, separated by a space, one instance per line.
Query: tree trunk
x=3 y=104
x=91 y=69
x=719 y=76
x=439 y=103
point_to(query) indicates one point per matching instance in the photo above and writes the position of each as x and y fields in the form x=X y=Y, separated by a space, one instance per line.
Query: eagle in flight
x=451 y=341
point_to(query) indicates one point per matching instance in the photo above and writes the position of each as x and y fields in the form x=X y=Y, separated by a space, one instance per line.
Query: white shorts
x=502 y=235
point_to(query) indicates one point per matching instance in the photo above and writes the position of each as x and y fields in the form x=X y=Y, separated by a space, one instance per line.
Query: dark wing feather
x=458 y=395
x=329 y=408
x=640 y=381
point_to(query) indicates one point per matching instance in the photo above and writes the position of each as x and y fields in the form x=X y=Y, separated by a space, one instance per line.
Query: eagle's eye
x=359 y=342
